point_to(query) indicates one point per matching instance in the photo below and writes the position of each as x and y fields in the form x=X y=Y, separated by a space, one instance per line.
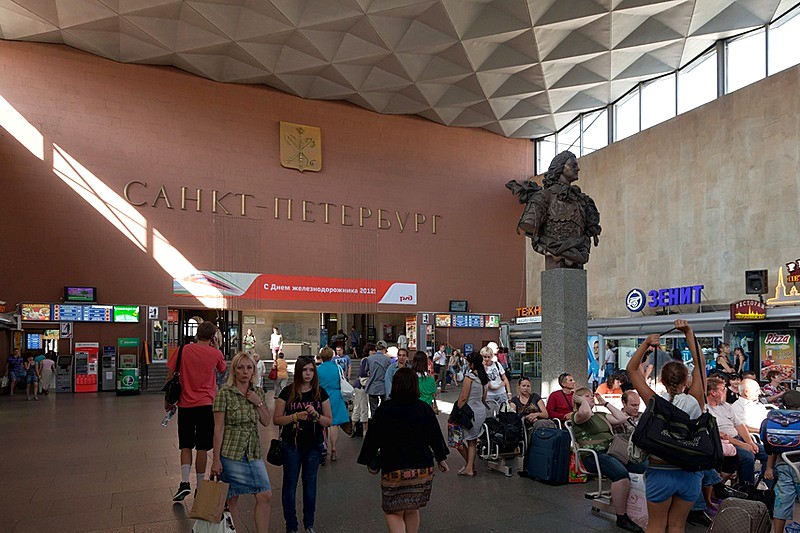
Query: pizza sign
x=778 y=353
x=775 y=338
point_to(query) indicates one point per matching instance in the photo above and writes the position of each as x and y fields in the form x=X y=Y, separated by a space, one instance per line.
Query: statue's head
x=557 y=167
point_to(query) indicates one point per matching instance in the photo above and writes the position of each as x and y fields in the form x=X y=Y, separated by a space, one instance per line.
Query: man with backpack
x=195 y=365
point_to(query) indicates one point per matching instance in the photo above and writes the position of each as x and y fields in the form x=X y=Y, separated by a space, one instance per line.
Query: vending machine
x=86 y=355
x=128 y=366
x=108 y=368
x=64 y=365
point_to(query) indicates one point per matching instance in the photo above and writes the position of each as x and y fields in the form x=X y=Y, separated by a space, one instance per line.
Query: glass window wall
x=658 y=101
x=746 y=60
x=570 y=138
x=697 y=83
x=784 y=42
x=545 y=152
x=626 y=112
x=595 y=131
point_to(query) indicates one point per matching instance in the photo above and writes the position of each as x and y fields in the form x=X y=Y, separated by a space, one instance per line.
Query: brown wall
x=165 y=127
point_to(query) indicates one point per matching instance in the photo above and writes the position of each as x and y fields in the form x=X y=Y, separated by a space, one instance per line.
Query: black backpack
x=667 y=432
x=505 y=430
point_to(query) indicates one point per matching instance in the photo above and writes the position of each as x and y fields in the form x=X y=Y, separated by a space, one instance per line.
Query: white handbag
x=347 y=390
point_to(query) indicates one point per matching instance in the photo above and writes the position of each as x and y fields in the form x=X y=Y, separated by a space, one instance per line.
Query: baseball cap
x=382 y=344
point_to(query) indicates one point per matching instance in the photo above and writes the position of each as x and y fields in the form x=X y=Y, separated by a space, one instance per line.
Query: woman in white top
x=671 y=492
x=276 y=342
x=498 y=388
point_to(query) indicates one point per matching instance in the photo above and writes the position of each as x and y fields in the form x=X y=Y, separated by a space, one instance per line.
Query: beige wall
x=696 y=200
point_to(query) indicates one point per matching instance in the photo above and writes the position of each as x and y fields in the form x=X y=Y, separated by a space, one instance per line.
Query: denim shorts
x=664 y=484
x=244 y=477
x=787 y=489
x=32 y=379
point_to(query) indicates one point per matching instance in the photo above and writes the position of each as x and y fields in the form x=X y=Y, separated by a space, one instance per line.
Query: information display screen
x=126 y=313
x=33 y=342
x=68 y=313
x=80 y=294
x=97 y=313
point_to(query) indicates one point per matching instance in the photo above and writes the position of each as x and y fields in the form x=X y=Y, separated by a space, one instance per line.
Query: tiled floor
x=103 y=463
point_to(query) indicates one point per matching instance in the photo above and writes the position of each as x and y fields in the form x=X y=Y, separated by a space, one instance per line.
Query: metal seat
x=601 y=499
x=490 y=451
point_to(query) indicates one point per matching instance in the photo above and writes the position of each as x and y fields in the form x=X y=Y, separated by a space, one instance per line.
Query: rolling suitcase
x=741 y=516
x=548 y=456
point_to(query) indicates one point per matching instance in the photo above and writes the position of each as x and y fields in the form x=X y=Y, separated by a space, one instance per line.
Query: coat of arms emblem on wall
x=301 y=147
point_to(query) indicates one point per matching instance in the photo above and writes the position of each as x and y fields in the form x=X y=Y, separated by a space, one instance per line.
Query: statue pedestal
x=564 y=329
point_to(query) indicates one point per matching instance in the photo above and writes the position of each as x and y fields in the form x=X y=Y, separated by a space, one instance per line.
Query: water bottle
x=167 y=418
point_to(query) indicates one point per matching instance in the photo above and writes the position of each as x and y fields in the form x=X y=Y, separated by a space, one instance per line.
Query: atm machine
x=64 y=365
x=108 y=367
x=128 y=367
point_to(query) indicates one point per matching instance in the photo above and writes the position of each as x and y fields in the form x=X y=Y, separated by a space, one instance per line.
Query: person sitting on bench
x=593 y=431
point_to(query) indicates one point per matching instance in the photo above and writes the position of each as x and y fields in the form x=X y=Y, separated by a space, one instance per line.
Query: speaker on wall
x=755 y=282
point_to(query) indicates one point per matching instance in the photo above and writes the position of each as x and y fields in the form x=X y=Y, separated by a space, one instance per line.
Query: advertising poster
x=213 y=284
x=778 y=353
x=442 y=321
x=592 y=356
x=35 y=311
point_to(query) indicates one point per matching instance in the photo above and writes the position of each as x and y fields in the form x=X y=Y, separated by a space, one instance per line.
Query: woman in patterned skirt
x=403 y=440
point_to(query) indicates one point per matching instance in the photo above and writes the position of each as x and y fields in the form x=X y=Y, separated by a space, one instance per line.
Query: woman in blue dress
x=328 y=373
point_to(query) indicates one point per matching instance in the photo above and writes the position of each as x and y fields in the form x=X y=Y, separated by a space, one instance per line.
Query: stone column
x=564 y=329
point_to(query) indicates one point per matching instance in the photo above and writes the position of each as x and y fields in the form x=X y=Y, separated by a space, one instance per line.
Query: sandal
x=333 y=457
x=463 y=473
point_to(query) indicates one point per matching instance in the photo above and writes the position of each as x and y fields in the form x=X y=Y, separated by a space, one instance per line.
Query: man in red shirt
x=198 y=390
x=559 y=403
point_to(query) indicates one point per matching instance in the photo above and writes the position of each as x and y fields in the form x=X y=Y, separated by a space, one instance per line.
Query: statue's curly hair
x=557 y=167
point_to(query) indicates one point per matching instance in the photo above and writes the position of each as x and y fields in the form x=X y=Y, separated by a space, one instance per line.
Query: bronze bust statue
x=561 y=220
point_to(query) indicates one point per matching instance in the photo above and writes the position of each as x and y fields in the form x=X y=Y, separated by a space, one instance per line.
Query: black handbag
x=463 y=416
x=667 y=432
x=172 y=388
x=275 y=453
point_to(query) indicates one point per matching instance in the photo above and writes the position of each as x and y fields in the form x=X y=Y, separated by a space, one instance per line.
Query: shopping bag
x=224 y=526
x=3 y=382
x=455 y=435
x=575 y=474
x=637 y=501
x=347 y=390
x=209 y=504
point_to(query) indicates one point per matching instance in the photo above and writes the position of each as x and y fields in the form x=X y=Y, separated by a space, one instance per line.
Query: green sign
x=128 y=342
x=127 y=379
x=126 y=313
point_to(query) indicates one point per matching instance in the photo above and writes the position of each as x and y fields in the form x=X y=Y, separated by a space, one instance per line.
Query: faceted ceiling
x=519 y=68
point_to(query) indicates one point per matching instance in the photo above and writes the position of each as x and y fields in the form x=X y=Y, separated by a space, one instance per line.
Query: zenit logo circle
x=635 y=300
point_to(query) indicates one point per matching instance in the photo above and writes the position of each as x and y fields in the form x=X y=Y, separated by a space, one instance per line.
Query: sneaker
x=699 y=518
x=624 y=522
x=183 y=491
x=310 y=530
